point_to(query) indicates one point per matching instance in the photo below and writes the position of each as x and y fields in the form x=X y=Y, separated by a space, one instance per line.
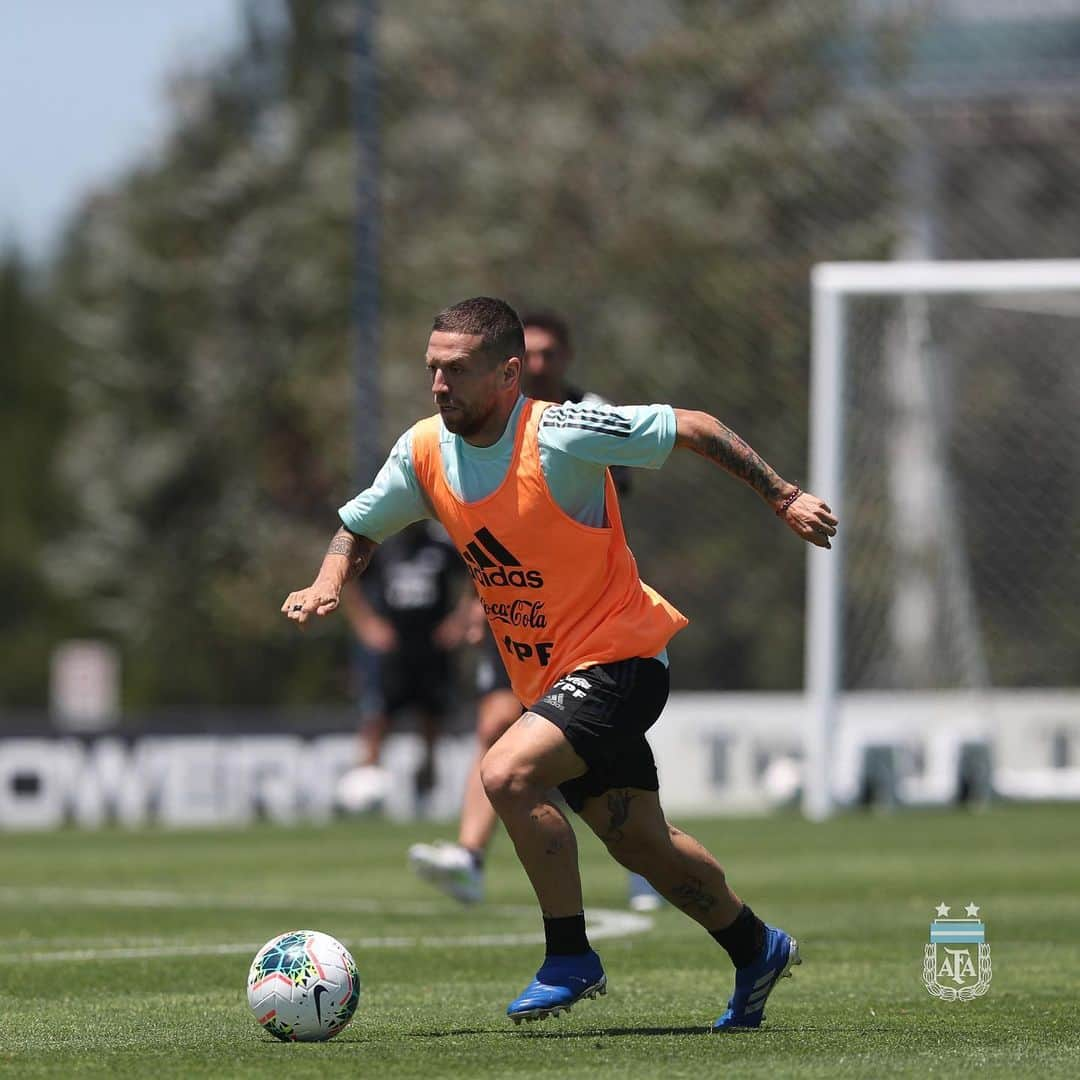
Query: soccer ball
x=303 y=986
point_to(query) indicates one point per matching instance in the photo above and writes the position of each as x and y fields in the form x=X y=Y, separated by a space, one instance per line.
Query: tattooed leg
x=632 y=826
x=618 y=806
x=703 y=893
x=693 y=895
x=517 y=773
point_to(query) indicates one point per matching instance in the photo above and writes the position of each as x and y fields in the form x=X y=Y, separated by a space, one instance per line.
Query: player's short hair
x=494 y=320
x=554 y=324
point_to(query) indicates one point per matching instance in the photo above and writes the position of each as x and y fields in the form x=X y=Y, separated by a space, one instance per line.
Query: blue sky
x=82 y=95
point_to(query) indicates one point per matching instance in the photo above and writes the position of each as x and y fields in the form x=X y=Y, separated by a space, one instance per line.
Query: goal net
x=945 y=431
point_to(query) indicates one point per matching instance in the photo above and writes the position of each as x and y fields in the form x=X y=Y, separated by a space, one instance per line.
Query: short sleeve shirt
x=578 y=442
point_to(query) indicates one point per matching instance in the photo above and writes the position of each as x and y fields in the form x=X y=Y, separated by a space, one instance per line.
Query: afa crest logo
x=956 y=963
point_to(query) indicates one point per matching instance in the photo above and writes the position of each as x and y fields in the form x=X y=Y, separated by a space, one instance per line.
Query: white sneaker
x=450 y=868
x=363 y=789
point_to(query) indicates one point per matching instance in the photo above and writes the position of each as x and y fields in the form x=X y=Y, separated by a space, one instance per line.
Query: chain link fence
x=665 y=174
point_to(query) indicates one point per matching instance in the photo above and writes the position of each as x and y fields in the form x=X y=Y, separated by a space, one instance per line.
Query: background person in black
x=411 y=611
x=457 y=869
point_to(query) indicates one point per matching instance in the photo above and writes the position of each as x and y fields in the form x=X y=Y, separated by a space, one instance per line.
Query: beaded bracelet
x=786 y=504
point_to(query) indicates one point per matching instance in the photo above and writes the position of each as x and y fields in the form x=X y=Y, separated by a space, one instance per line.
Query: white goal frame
x=831 y=286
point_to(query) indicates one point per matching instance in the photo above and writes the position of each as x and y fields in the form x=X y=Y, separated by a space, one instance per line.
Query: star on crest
x=972 y=909
x=942 y=909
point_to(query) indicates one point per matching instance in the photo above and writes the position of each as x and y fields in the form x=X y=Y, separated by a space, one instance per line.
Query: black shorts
x=421 y=680
x=604 y=712
x=490 y=669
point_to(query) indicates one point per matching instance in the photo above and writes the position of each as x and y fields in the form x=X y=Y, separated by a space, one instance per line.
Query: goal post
x=836 y=287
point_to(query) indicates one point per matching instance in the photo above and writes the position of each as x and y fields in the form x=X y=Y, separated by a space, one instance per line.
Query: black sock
x=477 y=857
x=566 y=936
x=744 y=938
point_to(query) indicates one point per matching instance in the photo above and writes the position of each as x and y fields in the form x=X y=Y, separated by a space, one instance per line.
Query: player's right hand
x=317 y=599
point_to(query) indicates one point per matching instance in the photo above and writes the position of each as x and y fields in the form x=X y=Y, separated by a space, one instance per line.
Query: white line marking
x=14 y=895
x=602 y=922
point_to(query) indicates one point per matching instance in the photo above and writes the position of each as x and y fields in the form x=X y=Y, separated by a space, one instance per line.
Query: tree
x=205 y=303
x=666 y=182
x=33 y=414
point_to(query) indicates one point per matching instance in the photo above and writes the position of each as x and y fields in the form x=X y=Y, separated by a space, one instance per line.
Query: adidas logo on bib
x=492 y=565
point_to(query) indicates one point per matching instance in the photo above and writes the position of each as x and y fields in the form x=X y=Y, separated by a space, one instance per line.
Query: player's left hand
x=811 y=519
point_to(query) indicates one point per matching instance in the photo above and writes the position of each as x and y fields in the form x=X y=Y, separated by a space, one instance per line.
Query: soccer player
x=524 y=491
x=458 y=869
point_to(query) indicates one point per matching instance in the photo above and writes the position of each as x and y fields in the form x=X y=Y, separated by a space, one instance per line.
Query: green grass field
x=125 y=954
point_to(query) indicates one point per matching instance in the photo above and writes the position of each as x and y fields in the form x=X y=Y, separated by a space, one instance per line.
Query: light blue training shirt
x=577 y=443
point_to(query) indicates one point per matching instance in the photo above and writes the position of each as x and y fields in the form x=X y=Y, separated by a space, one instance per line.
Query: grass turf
x=858 y=892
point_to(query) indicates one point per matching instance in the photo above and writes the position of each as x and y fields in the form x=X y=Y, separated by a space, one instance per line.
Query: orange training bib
x=558 y=595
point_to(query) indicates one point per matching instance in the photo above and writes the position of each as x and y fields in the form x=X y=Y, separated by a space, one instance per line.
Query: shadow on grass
x=613 y=1033
x=520 y=1032
x=591 y=1033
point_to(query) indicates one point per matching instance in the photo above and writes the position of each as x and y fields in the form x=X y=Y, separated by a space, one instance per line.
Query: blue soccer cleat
x=755 y=982
x=560 y=982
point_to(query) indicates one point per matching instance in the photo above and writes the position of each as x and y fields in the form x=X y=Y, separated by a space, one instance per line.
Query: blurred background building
x=226 y=339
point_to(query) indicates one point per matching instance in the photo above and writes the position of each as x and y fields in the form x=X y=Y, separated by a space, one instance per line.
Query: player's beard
x=463 y=421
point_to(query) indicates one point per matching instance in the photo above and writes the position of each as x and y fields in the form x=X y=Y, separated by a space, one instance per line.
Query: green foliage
x=33 y=412
x=205 y=302
x=666 y=181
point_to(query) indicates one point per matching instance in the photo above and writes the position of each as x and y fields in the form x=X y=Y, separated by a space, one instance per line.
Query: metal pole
x=367 y=409
x=366 y=298
x=824 y=636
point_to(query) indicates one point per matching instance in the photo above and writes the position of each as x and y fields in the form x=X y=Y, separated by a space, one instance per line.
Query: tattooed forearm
x=343 y=543
x=707 y=436
x=741 y=460
x=357 y=549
